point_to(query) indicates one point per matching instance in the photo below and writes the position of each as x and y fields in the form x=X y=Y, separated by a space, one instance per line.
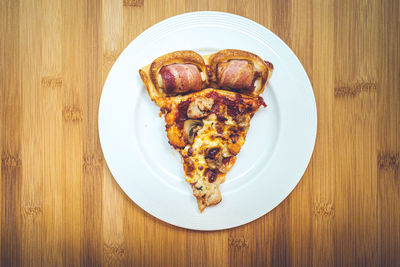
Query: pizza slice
x=208 y=129
x=208 y=102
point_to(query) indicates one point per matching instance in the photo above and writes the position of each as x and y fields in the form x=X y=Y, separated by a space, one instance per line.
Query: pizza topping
x=234 y=138
x=232 y=106
x=219 y=127
x=191 y=127
x=211 y=175
x=212 y=152
x=236 y=74
x=222 y=168
x=216 y=109
x=242 y=120
x=175 y=137
x=189 y=165
x=213 y=164
x=200 y=107
x=181 y=115
x=190 y=151
x=215 y=159
x=234 y=148
x=180 y=78
x=166 y=80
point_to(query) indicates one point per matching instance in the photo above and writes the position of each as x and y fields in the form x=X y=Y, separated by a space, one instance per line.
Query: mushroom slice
x=212 y=163
x=191 y=128
x=200 y=107
x=214 y=159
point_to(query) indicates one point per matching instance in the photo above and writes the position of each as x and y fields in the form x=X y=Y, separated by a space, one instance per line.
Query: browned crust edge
x=227 y=54
x=206 y=64
x=184 y=56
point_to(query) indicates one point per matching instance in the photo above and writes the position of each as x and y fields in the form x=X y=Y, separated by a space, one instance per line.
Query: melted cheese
x=203 y=76
x=257 y=84
x=204 y=140
x=160 y=81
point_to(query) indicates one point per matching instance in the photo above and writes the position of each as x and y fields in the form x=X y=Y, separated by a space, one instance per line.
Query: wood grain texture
x=60 y=206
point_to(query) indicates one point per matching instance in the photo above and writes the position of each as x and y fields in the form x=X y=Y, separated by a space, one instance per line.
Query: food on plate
x=183 y=72
x=207 y=102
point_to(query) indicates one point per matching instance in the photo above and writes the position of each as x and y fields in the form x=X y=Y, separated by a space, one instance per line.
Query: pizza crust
x=207 y=65
x=265 y=68
x=208 y=134
x=150 y=73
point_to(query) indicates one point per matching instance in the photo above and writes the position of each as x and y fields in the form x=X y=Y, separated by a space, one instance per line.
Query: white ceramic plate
x=278 y=146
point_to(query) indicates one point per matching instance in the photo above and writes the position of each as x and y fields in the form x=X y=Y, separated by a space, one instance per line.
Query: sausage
x=236 y=74
x=180 y=78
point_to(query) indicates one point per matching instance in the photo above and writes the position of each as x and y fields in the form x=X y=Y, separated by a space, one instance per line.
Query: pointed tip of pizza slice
x=208 y=128
x=206 y=188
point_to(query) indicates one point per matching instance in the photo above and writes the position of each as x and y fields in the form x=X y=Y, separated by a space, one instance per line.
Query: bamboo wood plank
x=60 y=205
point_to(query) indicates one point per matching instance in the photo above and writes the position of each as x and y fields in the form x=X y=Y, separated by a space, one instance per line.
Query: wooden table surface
x=60 y=206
